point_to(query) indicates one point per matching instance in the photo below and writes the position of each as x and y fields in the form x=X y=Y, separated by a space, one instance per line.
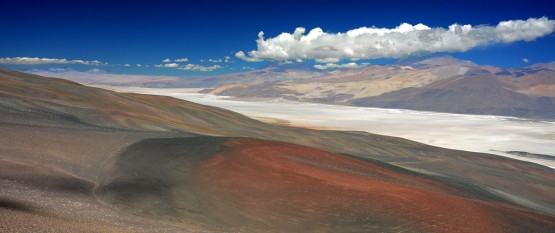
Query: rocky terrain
x=80 y=159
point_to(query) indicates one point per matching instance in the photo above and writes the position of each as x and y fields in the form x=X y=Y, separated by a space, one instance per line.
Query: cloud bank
x=40 y=61
x=402 y=41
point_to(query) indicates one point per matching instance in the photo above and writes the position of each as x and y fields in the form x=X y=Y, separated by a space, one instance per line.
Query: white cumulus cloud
x=167 y=60
x=525 y=60
x=181 y=60
x=40 y=61
x=402 y=41
x=241 y=55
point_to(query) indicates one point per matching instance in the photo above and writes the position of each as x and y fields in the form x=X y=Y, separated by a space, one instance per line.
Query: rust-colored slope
x=242 y=184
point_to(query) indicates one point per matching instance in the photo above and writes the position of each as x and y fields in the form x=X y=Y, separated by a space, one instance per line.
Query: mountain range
x=77 y=158
x=438 y=83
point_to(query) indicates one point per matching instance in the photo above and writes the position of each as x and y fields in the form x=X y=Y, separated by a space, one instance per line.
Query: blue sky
x=128 y=32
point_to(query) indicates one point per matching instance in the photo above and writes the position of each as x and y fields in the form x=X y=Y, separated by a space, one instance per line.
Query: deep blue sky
x=129 y=32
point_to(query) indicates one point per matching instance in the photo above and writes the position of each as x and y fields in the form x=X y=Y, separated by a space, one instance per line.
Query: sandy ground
x=477 y=133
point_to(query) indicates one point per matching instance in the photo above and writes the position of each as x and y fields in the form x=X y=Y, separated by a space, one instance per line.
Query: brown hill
x=472 y=94
x=535 y=80
x=235 y=184
x=69 y=152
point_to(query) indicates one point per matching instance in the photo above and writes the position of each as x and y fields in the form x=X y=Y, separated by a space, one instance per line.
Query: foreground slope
x=239 y=183
x=73 y=151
